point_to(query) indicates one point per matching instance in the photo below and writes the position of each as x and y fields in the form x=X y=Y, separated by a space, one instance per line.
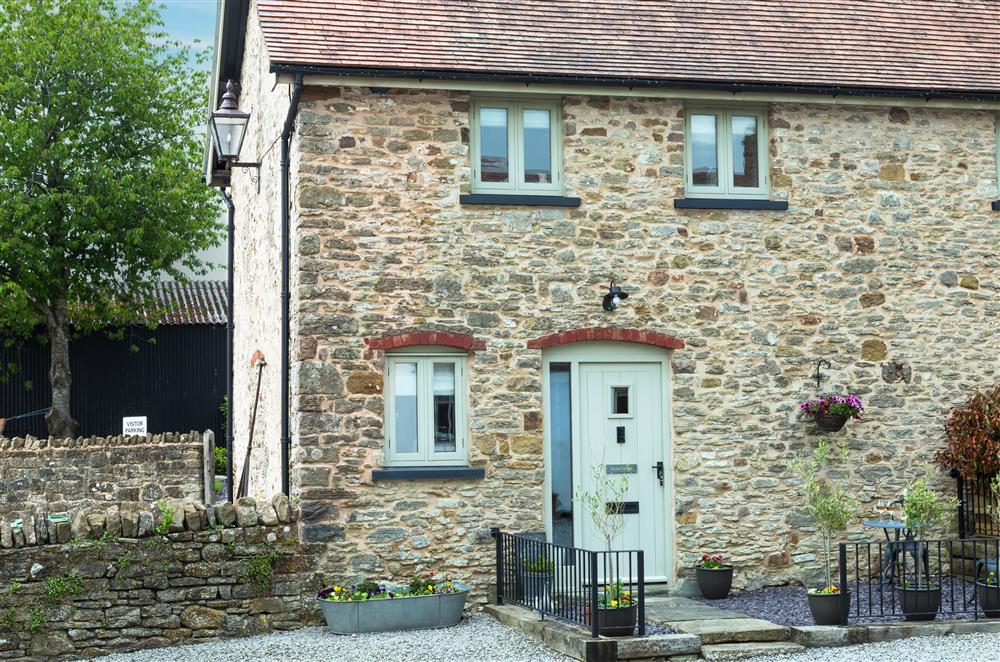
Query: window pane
x=493 y=164
x=404 y=388
x=561 y=455
x=619 y=399
x=704 y=154
x=745 y=151
x=537 y=147
x=444 y=408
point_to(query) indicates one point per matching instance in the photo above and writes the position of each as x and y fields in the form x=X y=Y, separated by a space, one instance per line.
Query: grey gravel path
x=964 y=648
x=479 y=638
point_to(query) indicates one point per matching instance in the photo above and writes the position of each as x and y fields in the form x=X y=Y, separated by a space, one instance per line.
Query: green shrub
x=36 y=619
x=57 y=588
x=220 y=460
x=259 y=568
x=167 y=519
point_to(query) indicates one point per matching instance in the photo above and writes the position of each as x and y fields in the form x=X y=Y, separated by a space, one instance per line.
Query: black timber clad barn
x=174 y=375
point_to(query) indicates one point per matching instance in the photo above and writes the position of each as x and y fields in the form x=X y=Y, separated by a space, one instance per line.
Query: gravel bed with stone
x=788 y=605
x=951 y=648
x=477 y=638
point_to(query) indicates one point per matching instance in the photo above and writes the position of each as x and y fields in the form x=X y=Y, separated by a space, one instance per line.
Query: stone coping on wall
x=41 y=443
x=134 y=519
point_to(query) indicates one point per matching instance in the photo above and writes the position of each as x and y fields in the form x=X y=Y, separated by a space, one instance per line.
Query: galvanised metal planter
x=419 y=612
x=714 y=584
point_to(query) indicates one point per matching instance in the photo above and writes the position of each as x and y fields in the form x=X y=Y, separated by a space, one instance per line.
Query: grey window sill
x=427 y=473
x=518 y=199
x=729 y=203
x=996 y=205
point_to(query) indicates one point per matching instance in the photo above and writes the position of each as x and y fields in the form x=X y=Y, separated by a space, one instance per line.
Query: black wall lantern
x=229 y=126
x=614 y=297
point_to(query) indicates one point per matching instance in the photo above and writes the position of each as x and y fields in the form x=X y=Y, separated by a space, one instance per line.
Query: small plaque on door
x=621 y=468
x=623 y=507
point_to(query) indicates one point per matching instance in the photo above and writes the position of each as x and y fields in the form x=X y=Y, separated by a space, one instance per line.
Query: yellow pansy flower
x=614 y=603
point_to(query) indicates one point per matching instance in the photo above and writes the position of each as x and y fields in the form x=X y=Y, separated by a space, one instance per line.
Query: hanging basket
x=828 y=422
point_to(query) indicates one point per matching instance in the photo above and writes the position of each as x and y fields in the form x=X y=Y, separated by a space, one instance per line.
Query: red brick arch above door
x=411 y=338
x=592 y=334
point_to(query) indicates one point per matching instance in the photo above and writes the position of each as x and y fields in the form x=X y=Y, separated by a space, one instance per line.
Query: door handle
x=659 y=472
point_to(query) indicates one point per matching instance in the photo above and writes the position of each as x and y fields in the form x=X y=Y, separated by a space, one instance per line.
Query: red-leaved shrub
x=973 y=433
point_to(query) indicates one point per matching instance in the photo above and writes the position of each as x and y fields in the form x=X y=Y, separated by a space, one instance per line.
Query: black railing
x=579 y=586
x=975 y=509
x=919 y=580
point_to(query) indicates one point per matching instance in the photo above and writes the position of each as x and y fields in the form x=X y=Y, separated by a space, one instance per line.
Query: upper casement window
x=425 y=421
x=726 y=153
x=517 y=147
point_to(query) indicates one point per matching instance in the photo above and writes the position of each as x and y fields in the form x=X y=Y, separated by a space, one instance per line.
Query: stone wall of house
x=257 y=271
x=44 y=476
x=138 y=578
x=884 y=265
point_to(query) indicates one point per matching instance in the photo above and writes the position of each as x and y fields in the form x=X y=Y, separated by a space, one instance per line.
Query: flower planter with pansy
x=426 y=602
x=715 y=577
x=831 y=412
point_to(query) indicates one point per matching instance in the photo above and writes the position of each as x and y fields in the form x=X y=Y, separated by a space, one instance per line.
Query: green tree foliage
x=100 y=181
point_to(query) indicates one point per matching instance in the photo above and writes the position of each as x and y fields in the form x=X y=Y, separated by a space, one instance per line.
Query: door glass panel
x=493 y=149
x=619 y=399
x=444 y=408
x=562 y=457
x=745 y=152
x=404 y=388
x=704 y=151
x=537 y=147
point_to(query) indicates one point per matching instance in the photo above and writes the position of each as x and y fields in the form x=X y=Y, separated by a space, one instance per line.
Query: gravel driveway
x=965 y=648
x=479 y=638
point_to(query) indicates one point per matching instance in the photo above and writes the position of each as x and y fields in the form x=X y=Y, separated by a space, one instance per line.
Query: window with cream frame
x=726 y=152
x=517 y=146
x=425 y=408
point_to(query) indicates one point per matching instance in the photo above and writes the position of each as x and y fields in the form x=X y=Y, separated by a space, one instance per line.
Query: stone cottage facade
x=452 y=366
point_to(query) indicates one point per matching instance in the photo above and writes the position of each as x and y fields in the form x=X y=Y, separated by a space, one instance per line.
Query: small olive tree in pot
x=923 y=509
x=617 y=608
x=832 y=508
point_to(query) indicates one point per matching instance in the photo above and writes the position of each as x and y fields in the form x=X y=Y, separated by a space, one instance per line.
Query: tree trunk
x=59 y=420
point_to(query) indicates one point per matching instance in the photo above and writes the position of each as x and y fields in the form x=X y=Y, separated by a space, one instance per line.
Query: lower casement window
x=425 y=410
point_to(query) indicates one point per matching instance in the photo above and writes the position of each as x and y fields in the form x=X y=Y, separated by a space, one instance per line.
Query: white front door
x=621 y=432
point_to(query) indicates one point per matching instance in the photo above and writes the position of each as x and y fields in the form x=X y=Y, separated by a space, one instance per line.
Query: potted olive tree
x=923 y=509
x=989 y=588
x=832 y=508
x=617 y=609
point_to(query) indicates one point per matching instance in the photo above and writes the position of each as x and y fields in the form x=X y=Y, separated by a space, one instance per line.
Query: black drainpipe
x=286 y=133
x=231 y=213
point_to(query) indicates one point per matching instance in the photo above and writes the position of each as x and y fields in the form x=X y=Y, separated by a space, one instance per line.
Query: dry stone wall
x=884 y=264
x=44 y=476
x=139 y=577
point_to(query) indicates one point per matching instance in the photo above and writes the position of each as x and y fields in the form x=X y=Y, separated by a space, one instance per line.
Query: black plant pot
x=919 y=604
x=830 y=608
x=715 y=584
x=989 y=599
x=617 y=622
x=828 y=422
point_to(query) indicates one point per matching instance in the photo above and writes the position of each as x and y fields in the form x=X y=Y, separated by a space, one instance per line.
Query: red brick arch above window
x=607 y=334
x=440 y=338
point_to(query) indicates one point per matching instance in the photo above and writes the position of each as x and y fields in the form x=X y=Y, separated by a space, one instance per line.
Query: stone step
x=730 y=630
x=741 y=651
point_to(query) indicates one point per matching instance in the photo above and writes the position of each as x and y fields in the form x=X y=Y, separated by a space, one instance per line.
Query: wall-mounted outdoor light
x=613 y=298
x=229 y=126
